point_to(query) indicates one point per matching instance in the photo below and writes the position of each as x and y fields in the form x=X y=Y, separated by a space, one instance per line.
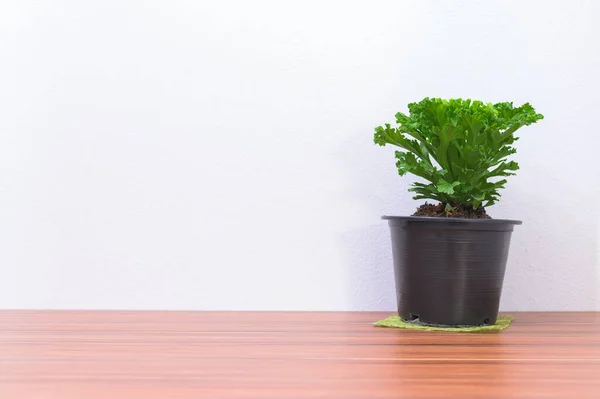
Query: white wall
x=218 y=155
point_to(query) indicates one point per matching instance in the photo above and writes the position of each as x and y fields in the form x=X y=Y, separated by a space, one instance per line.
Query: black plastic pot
x=449 y=271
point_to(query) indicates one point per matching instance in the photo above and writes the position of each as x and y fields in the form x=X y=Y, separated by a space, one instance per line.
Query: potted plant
x=450 y=257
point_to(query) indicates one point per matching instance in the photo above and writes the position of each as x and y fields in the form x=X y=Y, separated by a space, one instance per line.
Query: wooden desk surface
x=146 y=355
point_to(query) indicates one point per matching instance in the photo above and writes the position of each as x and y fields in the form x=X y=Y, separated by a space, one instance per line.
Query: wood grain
x=106 y=354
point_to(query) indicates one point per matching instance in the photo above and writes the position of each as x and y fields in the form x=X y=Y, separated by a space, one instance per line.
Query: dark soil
x=459 y=211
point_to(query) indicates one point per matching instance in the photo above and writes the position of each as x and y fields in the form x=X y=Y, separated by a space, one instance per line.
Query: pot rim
x=423 y=219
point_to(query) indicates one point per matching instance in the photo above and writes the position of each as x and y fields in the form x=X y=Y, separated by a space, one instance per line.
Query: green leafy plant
x=459 y=147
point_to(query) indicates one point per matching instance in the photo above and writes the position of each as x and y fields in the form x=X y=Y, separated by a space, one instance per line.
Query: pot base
x=418 y=322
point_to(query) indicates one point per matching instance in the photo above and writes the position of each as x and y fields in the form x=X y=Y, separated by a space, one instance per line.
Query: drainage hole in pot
x=486 y=321
x=414 y=316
